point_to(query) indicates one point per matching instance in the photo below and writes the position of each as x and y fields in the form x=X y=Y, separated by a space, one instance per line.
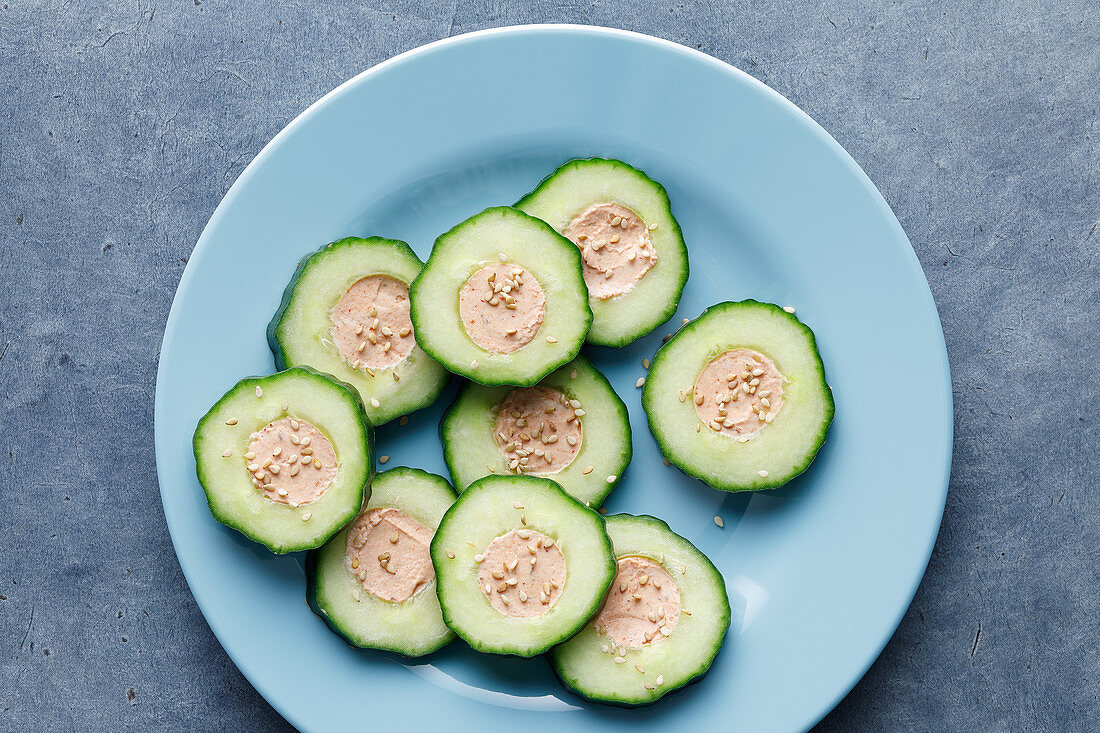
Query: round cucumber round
x=497 y=236
x=490 y=510
x=579 y=184
x=301 y=332
x=594 y=666
x=297 y=396
x=472 y=445
x=772 y=451
x=413 y=627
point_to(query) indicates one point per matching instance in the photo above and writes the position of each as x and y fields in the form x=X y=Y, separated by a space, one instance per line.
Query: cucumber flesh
x=496 y=236
x=580 y=184
x=491 y=508
x=587 y=664
x=472 y=447
x=413 y=627
x=777 y=451
x=223 y=438
x=301 y=332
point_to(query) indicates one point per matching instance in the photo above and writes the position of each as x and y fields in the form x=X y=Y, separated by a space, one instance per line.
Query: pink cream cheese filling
x=615 y=246
x=537 y=431
x=739 y=393
x=388 y=553
x=643 y=605
x=291 y=462
x=502 y=307
x=523 y=573
x=371 y=327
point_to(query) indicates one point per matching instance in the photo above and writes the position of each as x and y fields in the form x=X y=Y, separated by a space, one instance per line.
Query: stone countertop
x=124 y=124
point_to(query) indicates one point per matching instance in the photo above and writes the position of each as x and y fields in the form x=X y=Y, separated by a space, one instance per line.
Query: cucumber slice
x=412 y=627
x=587 y=662
x=336 y=284
x=758 y=452
x=472 y=447
x=621 y=312
x=503 y=518
x=242 y=430
x=462 y=259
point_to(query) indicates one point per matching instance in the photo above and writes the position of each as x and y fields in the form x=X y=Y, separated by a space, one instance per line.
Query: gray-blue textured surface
x=122 y=125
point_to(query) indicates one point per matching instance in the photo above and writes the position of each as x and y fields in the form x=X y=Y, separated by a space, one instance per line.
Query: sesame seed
x=640 y=382
x=450 y=555
x=765 y=402
x=620 y=660
x=355 y=594
x=643 y=579
x=665 y=461
x=614 y=238
x=317 y=464
x=227 y=453
x=616 y=221
x=653 y=227
x=396 y=376
x=359 y=330
x=587 y=470
x=743 y=439
x=285 y=406
x=517 y=505
x=640 y=668
x=512 y=581
x=504 y=600
x=404 y=420
x=274 y=470
x=404 y=332
x=609 y=274
x=647 y=686
x=718 y=520
x=682 y=397
x=573 y=374
x=473 y=364
x=522 y=597
x=375 y=403
x=306 y=517
x=294 y=424
x=660 y=680
x=231 y=421
x=383 y=459
x=579 y=413
x=611 y=479
x=762 y=473
x=502 y=257
x=259 y=391
x=393 y=538
x=789 y=308
x=355 y=562
x=636 y=597
x=250 y=455
x=512 y=565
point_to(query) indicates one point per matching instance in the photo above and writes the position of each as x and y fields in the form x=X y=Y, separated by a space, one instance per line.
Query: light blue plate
x=819 y=573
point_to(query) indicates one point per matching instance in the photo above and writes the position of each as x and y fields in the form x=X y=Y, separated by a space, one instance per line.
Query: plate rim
x=662 y=44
